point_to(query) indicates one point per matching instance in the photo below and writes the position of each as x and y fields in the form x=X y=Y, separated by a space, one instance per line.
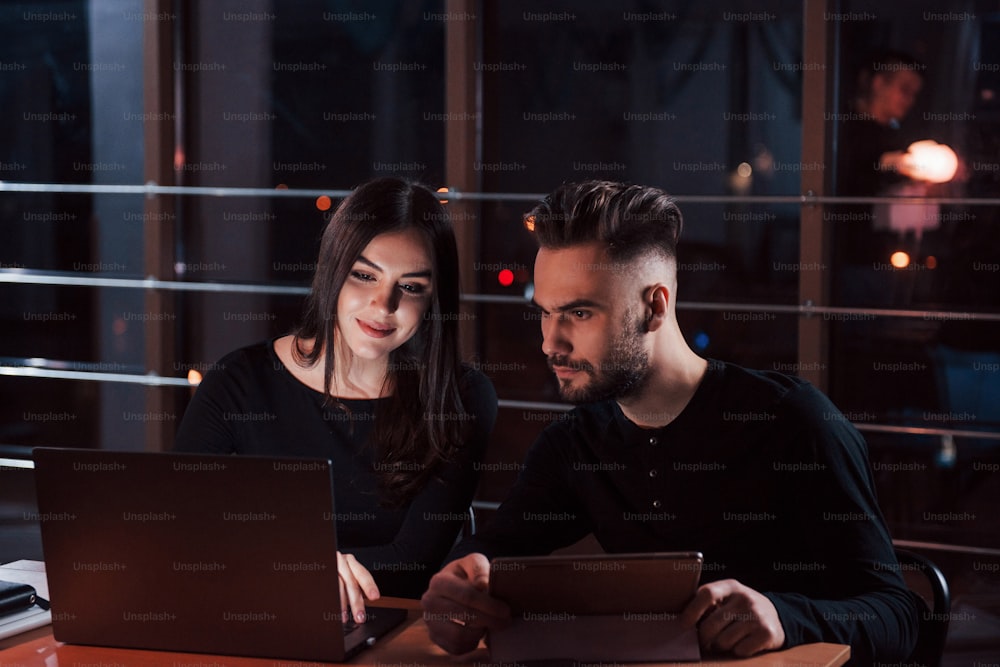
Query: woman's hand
x=356 y=584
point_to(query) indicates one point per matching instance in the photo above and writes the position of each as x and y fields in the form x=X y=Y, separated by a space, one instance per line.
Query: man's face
x=895 y=92
x=592 y=328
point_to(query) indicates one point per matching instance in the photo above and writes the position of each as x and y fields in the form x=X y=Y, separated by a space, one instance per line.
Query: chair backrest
x=469 y=526
x=927 y=580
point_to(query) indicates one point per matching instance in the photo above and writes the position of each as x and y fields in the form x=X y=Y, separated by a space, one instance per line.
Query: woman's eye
x=361 y=275
x=412 y=288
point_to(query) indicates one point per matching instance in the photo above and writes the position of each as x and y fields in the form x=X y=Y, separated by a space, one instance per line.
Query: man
x=873 y=148
x=874 y=161
x=671 y=452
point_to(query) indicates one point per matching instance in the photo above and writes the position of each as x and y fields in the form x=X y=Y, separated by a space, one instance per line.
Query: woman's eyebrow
x=368 y=262
x=425 y=273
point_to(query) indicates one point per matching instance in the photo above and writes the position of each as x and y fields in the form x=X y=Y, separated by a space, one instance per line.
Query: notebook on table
x=196 y=553
x=602 y=608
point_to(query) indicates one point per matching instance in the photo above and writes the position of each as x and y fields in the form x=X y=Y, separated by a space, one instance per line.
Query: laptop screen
x=190 y=552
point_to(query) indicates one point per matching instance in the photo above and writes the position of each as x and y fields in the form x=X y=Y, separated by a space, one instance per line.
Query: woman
x=372 y=380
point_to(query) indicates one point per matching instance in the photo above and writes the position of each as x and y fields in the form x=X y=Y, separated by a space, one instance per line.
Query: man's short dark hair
x=885 y=63
x=631 y=220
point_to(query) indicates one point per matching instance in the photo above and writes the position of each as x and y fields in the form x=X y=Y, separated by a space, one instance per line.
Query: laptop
x=599 y=608
x=197 y=553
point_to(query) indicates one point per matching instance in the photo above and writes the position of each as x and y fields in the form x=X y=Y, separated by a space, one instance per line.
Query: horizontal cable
x=31 y=277
x=35 y=277
x=64 y=365
x=495 y=298
x=926 y=430
x=151 y=379
x=810 y=310
x=152 y=189
x=939 y=546
x=813 y=200
x=806 y=309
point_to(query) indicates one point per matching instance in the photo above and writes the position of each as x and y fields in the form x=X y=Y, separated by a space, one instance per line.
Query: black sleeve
x=867 y=604
x=205 y=427
x=434 y=518
x=541 y=512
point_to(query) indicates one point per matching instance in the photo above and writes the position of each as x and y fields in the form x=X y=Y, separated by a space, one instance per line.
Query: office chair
x=926 y=579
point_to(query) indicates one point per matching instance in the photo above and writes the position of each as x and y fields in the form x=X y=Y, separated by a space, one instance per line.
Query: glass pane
x=72 y=102
x=679 y=97
x=699 y=100
x=910 y=74
x=303 y=97
x=907 y=74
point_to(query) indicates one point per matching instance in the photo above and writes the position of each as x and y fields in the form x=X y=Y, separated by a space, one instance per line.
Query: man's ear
x=656 y=301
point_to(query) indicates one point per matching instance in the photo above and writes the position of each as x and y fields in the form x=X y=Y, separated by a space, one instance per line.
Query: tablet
x=596 y=608
x=597 y=584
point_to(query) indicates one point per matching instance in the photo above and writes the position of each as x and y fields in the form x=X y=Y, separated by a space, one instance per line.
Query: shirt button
x=654 y=440
x=652 y=473
x=657 y=504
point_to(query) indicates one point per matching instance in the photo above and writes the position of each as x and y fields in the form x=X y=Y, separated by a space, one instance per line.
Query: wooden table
x=407 y=646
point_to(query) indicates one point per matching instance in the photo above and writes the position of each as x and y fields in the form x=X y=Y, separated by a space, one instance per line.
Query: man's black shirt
x=760 y=472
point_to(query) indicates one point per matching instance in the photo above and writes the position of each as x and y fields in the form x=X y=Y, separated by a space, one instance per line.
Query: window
x=243 y=121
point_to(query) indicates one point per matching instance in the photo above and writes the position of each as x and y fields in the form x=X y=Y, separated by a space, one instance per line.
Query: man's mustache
x=564 y=361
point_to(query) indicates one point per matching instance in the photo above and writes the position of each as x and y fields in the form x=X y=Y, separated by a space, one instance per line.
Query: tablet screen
x=597 y=584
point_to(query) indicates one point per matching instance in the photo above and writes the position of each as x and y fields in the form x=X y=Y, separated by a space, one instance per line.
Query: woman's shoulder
x=248 y=355
x=250 y=361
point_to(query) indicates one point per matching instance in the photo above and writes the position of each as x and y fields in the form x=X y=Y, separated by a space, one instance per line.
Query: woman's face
x=385 y=296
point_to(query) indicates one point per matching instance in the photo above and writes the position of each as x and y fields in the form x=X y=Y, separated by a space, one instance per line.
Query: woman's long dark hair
x=420 y=423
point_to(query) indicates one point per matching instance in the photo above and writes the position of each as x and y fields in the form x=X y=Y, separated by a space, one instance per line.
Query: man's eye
x=581 y=314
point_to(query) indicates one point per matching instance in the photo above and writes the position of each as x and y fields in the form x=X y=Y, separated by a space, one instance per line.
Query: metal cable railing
x=34 y=277
x=53 y=369
x=451 y=194
x=62 y=370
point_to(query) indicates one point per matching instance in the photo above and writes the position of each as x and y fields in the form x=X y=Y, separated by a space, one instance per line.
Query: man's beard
x=623 y=372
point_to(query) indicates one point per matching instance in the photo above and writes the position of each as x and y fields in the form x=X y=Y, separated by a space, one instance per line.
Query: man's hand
x=356 y=584
x=458 y=608
x=734 y=617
